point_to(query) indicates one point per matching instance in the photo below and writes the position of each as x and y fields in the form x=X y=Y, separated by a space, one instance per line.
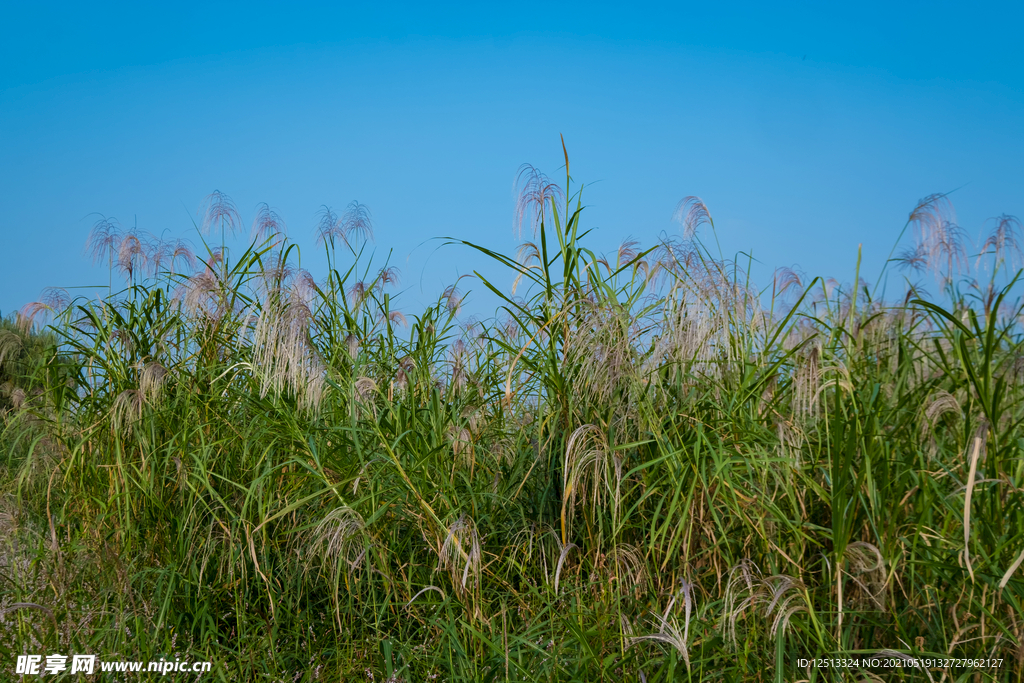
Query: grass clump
x=643 y=468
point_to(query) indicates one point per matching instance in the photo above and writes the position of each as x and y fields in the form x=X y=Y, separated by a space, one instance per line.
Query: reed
x=643 y=468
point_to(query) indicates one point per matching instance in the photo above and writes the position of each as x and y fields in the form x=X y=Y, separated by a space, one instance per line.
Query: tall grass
x=642 y=468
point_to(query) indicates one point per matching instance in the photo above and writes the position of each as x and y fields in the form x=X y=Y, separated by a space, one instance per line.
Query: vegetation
x=643 y=468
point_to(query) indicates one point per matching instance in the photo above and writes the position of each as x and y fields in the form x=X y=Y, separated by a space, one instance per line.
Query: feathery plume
x=461 y=554
x=283 y=354
x=691 y=213
x=158 y=255
x=405 y=368
x=627 y=252
x=104 y=240
x=533 y=192
x=915 y=259
x=668 y=633
x=355 y=223
x=364 y=388
x=388 y=276
x=627 y=563
x=941 y=403
x=358 y=293
x=328 y=226
x=601 y=351
x=867 y=569
x=782 y=596
x=220 y=212
x=528 y=256
x=132 y=254
x=127 y=410
x=56 y=299
x=18 y=397
x=586 y=470
x=11 y=346
x=807 y=375
x=201 y=295
x=183 y=254
x=939 y=238
x=274 y=275
x=563 y=554
x=452 y=299
x=266 y=224
x=786 y=278
x=1004 y=242
x=340 y=540
x=29 y=312
x=151 y=382
x=462 y=445
x=352 y=345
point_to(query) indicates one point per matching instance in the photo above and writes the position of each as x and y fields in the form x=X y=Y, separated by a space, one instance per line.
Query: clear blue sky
x=807 y=130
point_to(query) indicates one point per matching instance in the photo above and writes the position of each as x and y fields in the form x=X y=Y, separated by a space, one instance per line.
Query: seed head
x=533 y=192
x=266 y=224
x=220 y=212
x=691 y=213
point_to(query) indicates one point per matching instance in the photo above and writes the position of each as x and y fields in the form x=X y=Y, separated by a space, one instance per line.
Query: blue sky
x=807 y=130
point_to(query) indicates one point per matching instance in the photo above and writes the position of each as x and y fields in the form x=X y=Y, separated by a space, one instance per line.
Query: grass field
x=643 y=468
